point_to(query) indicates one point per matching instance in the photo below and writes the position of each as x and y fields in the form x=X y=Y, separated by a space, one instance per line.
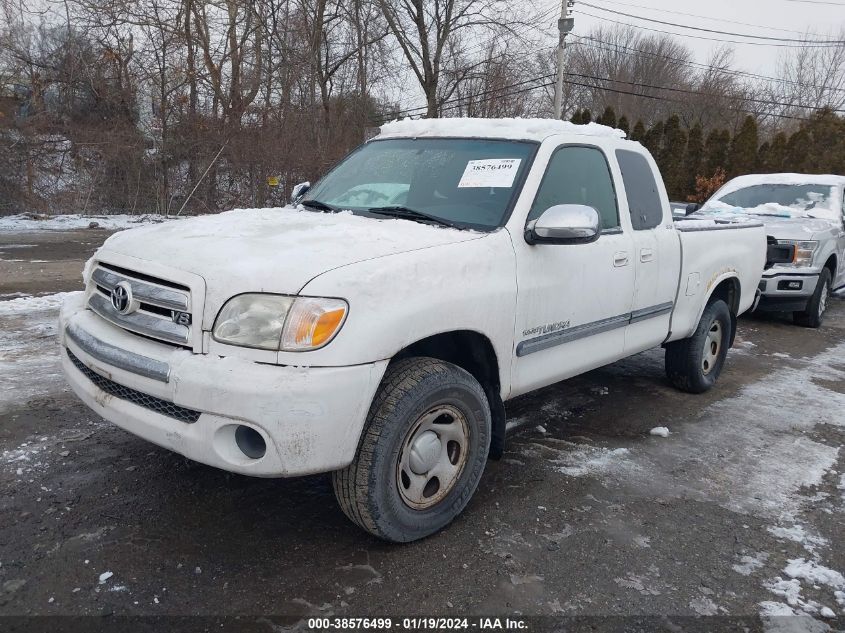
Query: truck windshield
x=784 y=200
x=468 y=183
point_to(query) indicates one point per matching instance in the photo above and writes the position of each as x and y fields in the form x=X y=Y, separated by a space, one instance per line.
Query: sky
x=772 y=18
x=793 y=19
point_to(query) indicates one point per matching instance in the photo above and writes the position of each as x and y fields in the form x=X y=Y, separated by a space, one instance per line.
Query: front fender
x=397 y=300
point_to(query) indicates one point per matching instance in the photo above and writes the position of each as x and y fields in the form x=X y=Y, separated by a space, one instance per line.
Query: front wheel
x=814 y=314
x=694 y=364
x=422 y=452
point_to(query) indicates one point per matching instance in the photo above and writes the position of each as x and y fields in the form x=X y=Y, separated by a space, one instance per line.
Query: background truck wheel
x=694 y=364
x=421 y=454
x=814 y=314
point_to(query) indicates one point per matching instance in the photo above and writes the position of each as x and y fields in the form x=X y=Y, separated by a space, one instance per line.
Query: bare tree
x=812 y=78
x=429 y=34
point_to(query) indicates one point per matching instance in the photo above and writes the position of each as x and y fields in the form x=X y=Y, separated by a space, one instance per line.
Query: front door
x=574 y=301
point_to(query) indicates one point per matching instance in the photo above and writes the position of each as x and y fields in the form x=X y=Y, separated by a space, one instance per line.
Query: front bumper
x=309 y=418
x=783 y=290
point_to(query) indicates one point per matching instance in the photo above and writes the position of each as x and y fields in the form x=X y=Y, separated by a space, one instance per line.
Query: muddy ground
x=739 y=511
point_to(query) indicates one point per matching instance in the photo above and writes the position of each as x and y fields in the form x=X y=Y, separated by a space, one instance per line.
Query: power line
x=701 y=66
x=699 y=93
x=706 y=30
x=711 y=39
x=702 y=17
x=505 y=91
x=421 y=109
x=831 y=4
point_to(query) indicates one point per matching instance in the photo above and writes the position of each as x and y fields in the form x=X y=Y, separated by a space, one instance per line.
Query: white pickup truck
x=802 y=210
x=375 y=328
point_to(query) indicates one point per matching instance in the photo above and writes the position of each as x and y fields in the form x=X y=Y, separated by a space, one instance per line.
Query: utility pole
x=564 y=26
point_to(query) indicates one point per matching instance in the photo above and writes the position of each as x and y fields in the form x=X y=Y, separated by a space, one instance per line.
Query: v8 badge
x=180 y=318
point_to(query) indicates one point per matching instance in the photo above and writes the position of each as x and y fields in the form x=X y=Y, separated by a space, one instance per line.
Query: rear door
x=656 y=251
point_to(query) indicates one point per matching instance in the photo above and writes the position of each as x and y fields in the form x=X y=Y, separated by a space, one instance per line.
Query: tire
x=813 y=316
x=391 y=488
x=694 y=364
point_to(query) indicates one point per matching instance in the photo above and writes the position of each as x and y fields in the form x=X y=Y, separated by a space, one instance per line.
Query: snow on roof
x=522 y=129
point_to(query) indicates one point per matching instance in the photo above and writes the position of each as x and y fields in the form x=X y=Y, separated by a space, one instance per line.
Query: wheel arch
x=729 y=290
x=832 y=265
x=474 y=352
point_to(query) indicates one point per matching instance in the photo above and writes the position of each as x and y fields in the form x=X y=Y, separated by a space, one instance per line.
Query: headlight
x=277 y=322
x=804 y=252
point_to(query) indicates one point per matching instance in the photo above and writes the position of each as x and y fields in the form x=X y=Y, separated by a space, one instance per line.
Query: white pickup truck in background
x=375 y=328
x=802 y=210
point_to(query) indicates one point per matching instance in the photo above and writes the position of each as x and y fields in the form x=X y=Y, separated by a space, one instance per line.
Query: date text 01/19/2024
x=417 y=624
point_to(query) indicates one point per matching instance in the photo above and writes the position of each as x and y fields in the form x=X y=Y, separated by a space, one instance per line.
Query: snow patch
x=749 y=564
x=814 y=573
x=29 y=360
x=798 y=534
x=31 y=223
x=28 y=305
x=659 y=431
x=589 y=460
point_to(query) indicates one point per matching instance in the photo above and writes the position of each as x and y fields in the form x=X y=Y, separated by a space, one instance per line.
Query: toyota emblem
x=121 y=297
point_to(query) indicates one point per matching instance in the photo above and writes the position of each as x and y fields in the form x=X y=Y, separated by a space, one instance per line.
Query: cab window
x=578 y=175
x=641 y=189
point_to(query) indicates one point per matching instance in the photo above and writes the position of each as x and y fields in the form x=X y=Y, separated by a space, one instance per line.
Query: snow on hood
x=274 y=250
x=518 y=129
x=778 y=226
x=832 y=214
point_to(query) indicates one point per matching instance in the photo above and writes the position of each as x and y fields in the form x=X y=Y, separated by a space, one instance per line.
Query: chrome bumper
x=116 y=357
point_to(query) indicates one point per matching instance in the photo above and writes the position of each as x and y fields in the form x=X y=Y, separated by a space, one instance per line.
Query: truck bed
x=711 y=253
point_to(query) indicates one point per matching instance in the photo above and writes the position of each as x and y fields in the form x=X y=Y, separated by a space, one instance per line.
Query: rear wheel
x=694 y=364
x=421 y=454
x=813 y=316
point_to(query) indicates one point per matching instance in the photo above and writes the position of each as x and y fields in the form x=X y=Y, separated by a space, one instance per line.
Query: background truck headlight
x=279 y=323
x=804 y=252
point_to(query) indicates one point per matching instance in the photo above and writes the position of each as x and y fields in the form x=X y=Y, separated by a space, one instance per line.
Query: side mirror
x=692 y=208
x=299 y=191
x=565 y=224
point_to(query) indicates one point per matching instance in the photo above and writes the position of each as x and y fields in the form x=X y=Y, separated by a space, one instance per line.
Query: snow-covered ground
x=29 y=360
x=753 y=454
x=29 y=222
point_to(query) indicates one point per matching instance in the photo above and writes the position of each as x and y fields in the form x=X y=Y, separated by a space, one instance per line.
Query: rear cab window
x=641 y=190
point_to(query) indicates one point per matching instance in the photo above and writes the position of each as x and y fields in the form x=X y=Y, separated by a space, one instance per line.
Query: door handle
x=620 y=259
x=646 y=255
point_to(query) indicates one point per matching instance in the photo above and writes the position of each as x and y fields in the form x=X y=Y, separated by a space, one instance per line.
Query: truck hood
x=796 y=228
x=273 y=250
x=777 y=226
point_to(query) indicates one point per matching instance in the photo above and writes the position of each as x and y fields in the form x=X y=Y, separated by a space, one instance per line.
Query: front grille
x=147 y=401
x=162 y=309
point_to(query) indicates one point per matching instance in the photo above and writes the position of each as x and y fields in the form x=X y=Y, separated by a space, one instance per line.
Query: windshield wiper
x=405 y=213
x=319 y=205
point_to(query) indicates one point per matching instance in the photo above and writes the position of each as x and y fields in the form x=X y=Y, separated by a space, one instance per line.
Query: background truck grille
x=147 y=401
x=159 y=303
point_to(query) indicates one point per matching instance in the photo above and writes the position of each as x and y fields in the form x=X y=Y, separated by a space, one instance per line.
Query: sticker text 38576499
x=491 y=172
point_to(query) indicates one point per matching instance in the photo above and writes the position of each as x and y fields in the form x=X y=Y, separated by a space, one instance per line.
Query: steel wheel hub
x=425 y=452
x=712 y=347
x=433 y=457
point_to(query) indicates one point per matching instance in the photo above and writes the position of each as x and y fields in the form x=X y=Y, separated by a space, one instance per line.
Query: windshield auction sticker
x=492 y=172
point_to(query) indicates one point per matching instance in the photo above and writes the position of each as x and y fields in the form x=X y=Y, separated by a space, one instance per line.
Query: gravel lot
x=738 y=511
